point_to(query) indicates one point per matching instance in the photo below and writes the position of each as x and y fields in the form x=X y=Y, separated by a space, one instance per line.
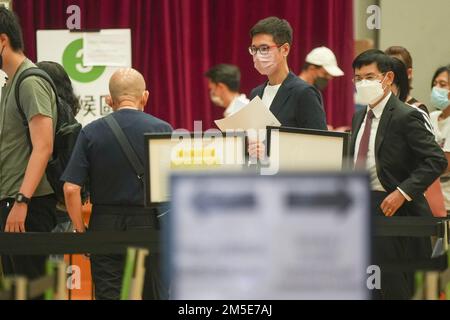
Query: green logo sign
x=73 y=64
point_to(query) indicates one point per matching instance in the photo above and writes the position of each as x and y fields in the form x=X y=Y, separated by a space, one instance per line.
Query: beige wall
x=422 y=27
x=360 y=18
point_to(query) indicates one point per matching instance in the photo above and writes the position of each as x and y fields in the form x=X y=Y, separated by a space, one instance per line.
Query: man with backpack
x=27 y=201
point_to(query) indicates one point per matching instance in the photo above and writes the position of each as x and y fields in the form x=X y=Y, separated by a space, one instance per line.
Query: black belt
x=122 y=210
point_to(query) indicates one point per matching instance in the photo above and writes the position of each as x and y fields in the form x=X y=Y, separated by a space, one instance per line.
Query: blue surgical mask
x=439 y=98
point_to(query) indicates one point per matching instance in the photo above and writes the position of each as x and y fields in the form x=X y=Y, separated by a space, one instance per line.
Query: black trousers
x=41 y=217
x=396 y=285
x=107 y=270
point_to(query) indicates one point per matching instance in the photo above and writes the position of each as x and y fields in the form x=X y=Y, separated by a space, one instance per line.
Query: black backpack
x=67 y=130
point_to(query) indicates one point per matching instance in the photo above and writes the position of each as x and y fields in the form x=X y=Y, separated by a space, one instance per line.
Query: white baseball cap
x=325 y=58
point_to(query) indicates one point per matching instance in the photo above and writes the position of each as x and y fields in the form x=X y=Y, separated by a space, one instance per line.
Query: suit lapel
x=384 y=124
x=282 y=94
x=260 y=91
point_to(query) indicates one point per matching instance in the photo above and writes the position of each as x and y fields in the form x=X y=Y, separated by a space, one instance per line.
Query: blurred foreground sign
x=296 y=236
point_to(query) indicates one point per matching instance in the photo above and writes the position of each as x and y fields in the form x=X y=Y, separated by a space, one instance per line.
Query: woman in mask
x=401 y=88
x=440 y=90
x=440 y=120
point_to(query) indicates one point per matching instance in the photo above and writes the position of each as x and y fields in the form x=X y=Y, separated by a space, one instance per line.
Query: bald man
x=116 y=193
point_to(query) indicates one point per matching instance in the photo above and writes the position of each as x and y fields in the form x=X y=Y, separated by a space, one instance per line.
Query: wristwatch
x=20 y=198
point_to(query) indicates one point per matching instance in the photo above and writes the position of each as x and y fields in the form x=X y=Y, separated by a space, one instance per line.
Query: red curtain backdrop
x=176 y=41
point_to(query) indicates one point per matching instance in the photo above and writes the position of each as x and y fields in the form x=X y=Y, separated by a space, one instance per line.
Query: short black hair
x=438 y=72
x=382 y=60
x=9 y=25
x=400 y=78
x=279 y=29
x=227 y=74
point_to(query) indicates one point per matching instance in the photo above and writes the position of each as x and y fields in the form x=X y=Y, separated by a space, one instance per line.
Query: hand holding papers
x=254 y=116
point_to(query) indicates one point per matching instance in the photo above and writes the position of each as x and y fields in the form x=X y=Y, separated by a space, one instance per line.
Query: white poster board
x=90 y=82
x=110 y=47
x=307 y=150
x=169 y=153
x=269 y=237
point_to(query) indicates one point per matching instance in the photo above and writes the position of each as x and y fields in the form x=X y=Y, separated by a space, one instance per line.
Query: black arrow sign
x=205 y=202
x=340 y=200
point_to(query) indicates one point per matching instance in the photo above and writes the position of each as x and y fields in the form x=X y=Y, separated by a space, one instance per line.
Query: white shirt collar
x=128 y=108
x=238 y=102
x=379 y=108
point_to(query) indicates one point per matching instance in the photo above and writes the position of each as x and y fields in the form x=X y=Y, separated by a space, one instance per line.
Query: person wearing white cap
x=320 y=67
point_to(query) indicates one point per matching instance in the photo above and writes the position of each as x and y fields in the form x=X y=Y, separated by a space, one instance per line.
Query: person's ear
x=285 y=49
x=389 y=78
x=220 y=88
x=109 y=101
x=144 y=99
x=410 y=73
x=3 y=40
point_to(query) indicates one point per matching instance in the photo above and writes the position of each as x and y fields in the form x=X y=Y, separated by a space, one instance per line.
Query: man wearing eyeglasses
x=392 y=143
x=293 y=102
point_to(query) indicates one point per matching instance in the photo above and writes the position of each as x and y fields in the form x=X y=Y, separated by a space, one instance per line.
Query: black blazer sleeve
x=431 y=159
x=309 y=111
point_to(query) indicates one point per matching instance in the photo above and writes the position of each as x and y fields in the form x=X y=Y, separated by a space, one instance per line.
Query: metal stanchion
x=15 y=288
x=134 y=274
x=139 y=272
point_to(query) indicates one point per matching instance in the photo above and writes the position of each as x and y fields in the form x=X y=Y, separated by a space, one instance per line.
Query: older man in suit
x=391 y=141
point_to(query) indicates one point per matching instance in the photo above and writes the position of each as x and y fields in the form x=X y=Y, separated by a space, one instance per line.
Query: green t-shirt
x=36 y=97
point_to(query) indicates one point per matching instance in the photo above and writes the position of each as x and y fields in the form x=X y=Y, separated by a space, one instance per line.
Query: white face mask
x=369 y=91
x=217 y=100
x=265 y=65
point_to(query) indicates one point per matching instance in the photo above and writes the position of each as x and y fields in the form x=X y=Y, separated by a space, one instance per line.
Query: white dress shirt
x=371 y=161
x=237 y=104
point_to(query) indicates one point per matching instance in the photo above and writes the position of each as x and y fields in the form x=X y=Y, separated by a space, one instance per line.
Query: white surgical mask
x=439 y=98
x=265 y=65
x=369 y=91
x=218 y=101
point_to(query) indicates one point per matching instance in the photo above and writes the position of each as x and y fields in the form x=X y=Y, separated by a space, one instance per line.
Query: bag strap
x=126 y=146
x=30 y=73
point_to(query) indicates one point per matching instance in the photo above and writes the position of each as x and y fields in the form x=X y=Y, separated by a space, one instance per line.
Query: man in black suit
x=293 y=102
x=391 y=141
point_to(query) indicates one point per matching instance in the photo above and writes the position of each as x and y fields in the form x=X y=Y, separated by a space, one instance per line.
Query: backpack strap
x=126 y=146
x=30 y=73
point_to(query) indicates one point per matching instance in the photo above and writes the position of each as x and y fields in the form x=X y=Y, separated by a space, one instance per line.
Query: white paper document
x=110 y=47
x=255 y=116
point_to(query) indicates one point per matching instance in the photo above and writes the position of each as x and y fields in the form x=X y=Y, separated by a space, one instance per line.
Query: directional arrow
x=340 y=200
x=205 y=202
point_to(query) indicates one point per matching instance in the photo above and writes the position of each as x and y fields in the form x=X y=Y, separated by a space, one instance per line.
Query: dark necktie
x=364 y=144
